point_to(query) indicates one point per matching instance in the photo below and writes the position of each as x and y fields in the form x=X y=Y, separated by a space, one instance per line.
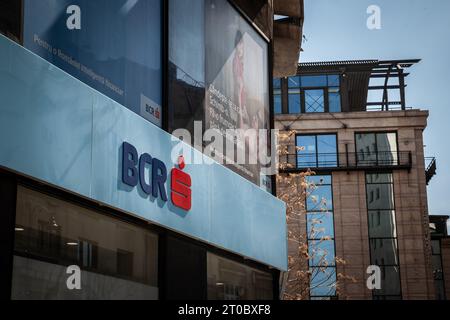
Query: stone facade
x=349 y=197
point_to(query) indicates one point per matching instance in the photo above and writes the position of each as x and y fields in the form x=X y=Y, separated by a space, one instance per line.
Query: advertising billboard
x=114 y=46
x=237 y=96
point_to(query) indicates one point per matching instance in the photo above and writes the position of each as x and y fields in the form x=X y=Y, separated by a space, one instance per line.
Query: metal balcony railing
x=431 y=169
x=346 y=161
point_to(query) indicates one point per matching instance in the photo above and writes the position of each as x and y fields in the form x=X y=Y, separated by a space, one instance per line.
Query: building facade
x=440 y=245
x=366 y=151
x=92 y=182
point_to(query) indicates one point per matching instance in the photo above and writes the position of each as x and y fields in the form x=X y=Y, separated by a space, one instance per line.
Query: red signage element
x=181 y=186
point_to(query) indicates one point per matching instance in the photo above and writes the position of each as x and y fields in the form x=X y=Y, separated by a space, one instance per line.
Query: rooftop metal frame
x=375 y=69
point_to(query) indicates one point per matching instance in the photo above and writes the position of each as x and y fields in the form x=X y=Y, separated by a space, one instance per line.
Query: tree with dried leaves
x=295 y=189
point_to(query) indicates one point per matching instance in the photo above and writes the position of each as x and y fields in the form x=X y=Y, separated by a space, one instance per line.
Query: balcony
x=348 y=161
x=431 y=169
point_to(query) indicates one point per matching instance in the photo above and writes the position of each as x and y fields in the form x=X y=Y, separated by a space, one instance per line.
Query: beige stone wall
x=351 y=227
x=351 y=232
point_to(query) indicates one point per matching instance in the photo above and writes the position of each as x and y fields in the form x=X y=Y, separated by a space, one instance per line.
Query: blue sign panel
x=114 y=46
x=58 y=130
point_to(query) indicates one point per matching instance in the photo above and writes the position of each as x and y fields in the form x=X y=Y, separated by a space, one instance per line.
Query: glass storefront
x=117 y=260
x=229 y=280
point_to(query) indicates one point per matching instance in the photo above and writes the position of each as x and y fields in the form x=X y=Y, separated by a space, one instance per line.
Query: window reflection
x=390 y=288
x=320 y=225
x=384 y=251
x=294 y=101
x=118 y=260
x=377 y=149
x=320 y=232
x=382 y=196
x=317 y=151
x=277 y=102
x=321 y=253
x=314 y=81
x=382 y=224
x=320 y=199
x=294 y=82
x=229 y=280
x=383 y=233
x=186 y=62
x=323 y=283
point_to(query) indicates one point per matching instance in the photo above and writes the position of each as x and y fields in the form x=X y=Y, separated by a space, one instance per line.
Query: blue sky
x=337 y=30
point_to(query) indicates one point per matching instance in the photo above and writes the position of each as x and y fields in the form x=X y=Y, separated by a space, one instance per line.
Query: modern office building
x=348 y=121
x=91 y=178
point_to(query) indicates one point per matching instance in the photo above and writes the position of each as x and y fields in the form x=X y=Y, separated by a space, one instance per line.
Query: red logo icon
x=181 y=186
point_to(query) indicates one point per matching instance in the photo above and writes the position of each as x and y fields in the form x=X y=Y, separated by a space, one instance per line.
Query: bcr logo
x=181 y=186
x=153 y=180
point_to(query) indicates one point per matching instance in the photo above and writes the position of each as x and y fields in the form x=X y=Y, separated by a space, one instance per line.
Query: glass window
x=380 y=178
x=323 y=282
x=319 y=199
x=320 y=229
x=390 y=282
x=294 y=101
x=334 y=80
x=327 y=150
x=386 y=199
x=307 y=151
x=314 y=101
x=314 y=81
x=383 y=232
x=321 y=253
x=117 y=50
x=319 y=180
x=277 y=102
x=229 y=280
x=277 y=83
x=320 y=225
x=440 y=290
x=436 y=246
x=377 y=149
x=382 y=224
x=294 y=82
x=117 y=260
x=317 y=151
x=186 y=62
x=366 y=148
x=313 y=88
x=384 y=251
x=436 y=261
x=334 y=100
